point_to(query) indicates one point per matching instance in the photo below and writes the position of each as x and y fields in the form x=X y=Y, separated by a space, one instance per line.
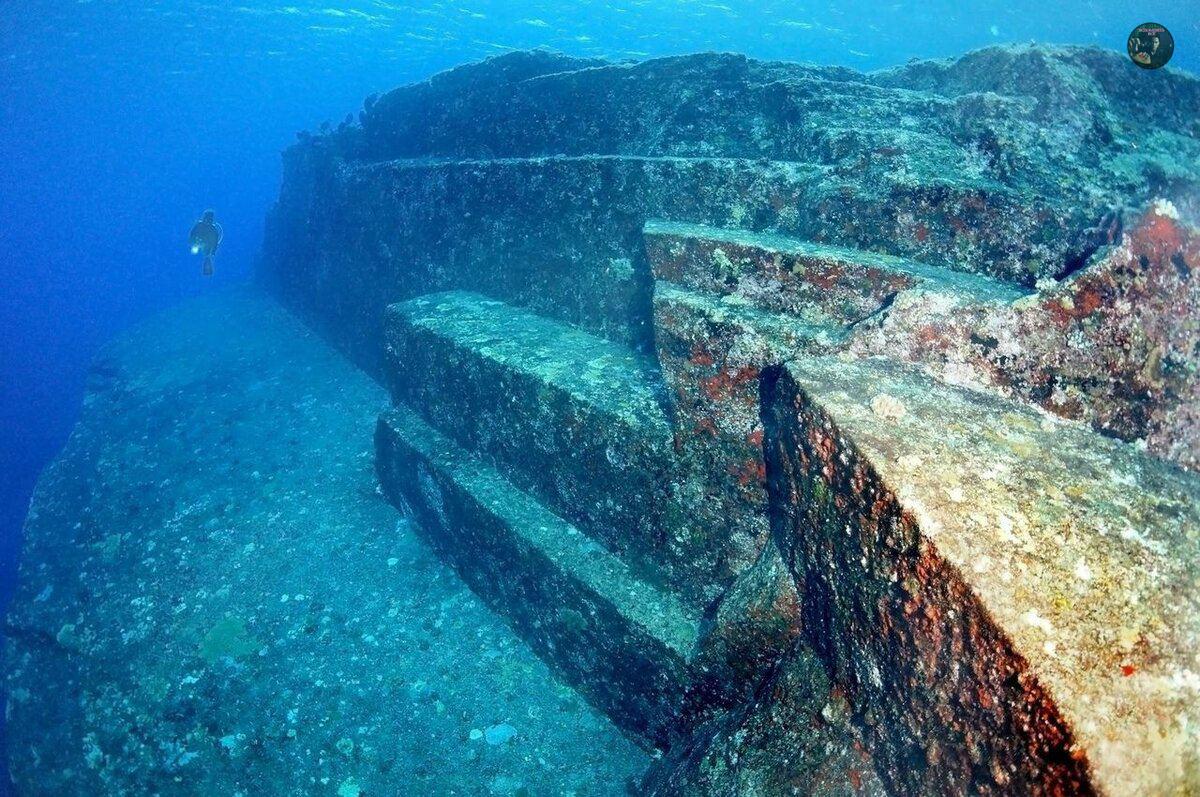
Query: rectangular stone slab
x=815 y=282
x=623 y=643
x=572 y=418
x=1011 y=601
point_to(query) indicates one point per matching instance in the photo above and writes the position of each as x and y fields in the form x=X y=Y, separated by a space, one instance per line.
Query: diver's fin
x=208 y=266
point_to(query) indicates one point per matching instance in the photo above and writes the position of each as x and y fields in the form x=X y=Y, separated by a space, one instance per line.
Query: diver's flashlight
x=195 y=250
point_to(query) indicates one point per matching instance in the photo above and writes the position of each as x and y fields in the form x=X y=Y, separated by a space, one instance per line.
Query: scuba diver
x=205 y=238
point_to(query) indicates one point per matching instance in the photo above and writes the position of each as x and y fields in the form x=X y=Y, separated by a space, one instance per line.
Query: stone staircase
x=572 y=419
x=541 y=461
x=628 y=217
x=537 y=458
x=682 y=535
x=1001 y=593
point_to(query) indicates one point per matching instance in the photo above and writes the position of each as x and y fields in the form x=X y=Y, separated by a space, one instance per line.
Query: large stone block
x=759 y=298
x=1011 y=601
x=805 y=212
x=572 y=418
x=731 y=303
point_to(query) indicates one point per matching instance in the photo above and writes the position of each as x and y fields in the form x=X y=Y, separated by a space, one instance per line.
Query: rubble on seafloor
x=828 y=433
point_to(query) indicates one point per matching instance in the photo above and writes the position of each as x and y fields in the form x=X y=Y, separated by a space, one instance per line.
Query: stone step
x=814 y=282
x=728 y=303
x=625 y=644
x=989 y=583
x=573 y=419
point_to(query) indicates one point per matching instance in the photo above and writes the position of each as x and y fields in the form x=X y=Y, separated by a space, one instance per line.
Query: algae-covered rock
x=524 y=177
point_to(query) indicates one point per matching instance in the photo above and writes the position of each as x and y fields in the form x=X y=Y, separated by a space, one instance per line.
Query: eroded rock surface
x=529 y=177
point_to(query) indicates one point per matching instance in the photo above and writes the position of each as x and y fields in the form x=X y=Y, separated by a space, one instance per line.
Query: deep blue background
x=121 y=121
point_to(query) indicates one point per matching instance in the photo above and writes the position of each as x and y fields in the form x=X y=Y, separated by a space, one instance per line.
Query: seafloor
x=237 y=610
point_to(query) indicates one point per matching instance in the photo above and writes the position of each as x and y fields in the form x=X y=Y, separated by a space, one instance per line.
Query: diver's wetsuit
x=206 y=238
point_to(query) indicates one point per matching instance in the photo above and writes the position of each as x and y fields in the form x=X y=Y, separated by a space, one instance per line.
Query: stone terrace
x=879 y=383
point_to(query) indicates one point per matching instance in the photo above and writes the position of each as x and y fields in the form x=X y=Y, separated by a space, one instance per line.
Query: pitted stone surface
x=1117 y=344
x=614 y=380
x=1000 y=585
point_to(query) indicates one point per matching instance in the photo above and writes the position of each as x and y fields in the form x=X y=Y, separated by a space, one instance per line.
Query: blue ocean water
x=121 y=121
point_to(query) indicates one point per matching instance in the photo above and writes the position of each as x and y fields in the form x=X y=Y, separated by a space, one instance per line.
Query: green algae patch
x=228 y=639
